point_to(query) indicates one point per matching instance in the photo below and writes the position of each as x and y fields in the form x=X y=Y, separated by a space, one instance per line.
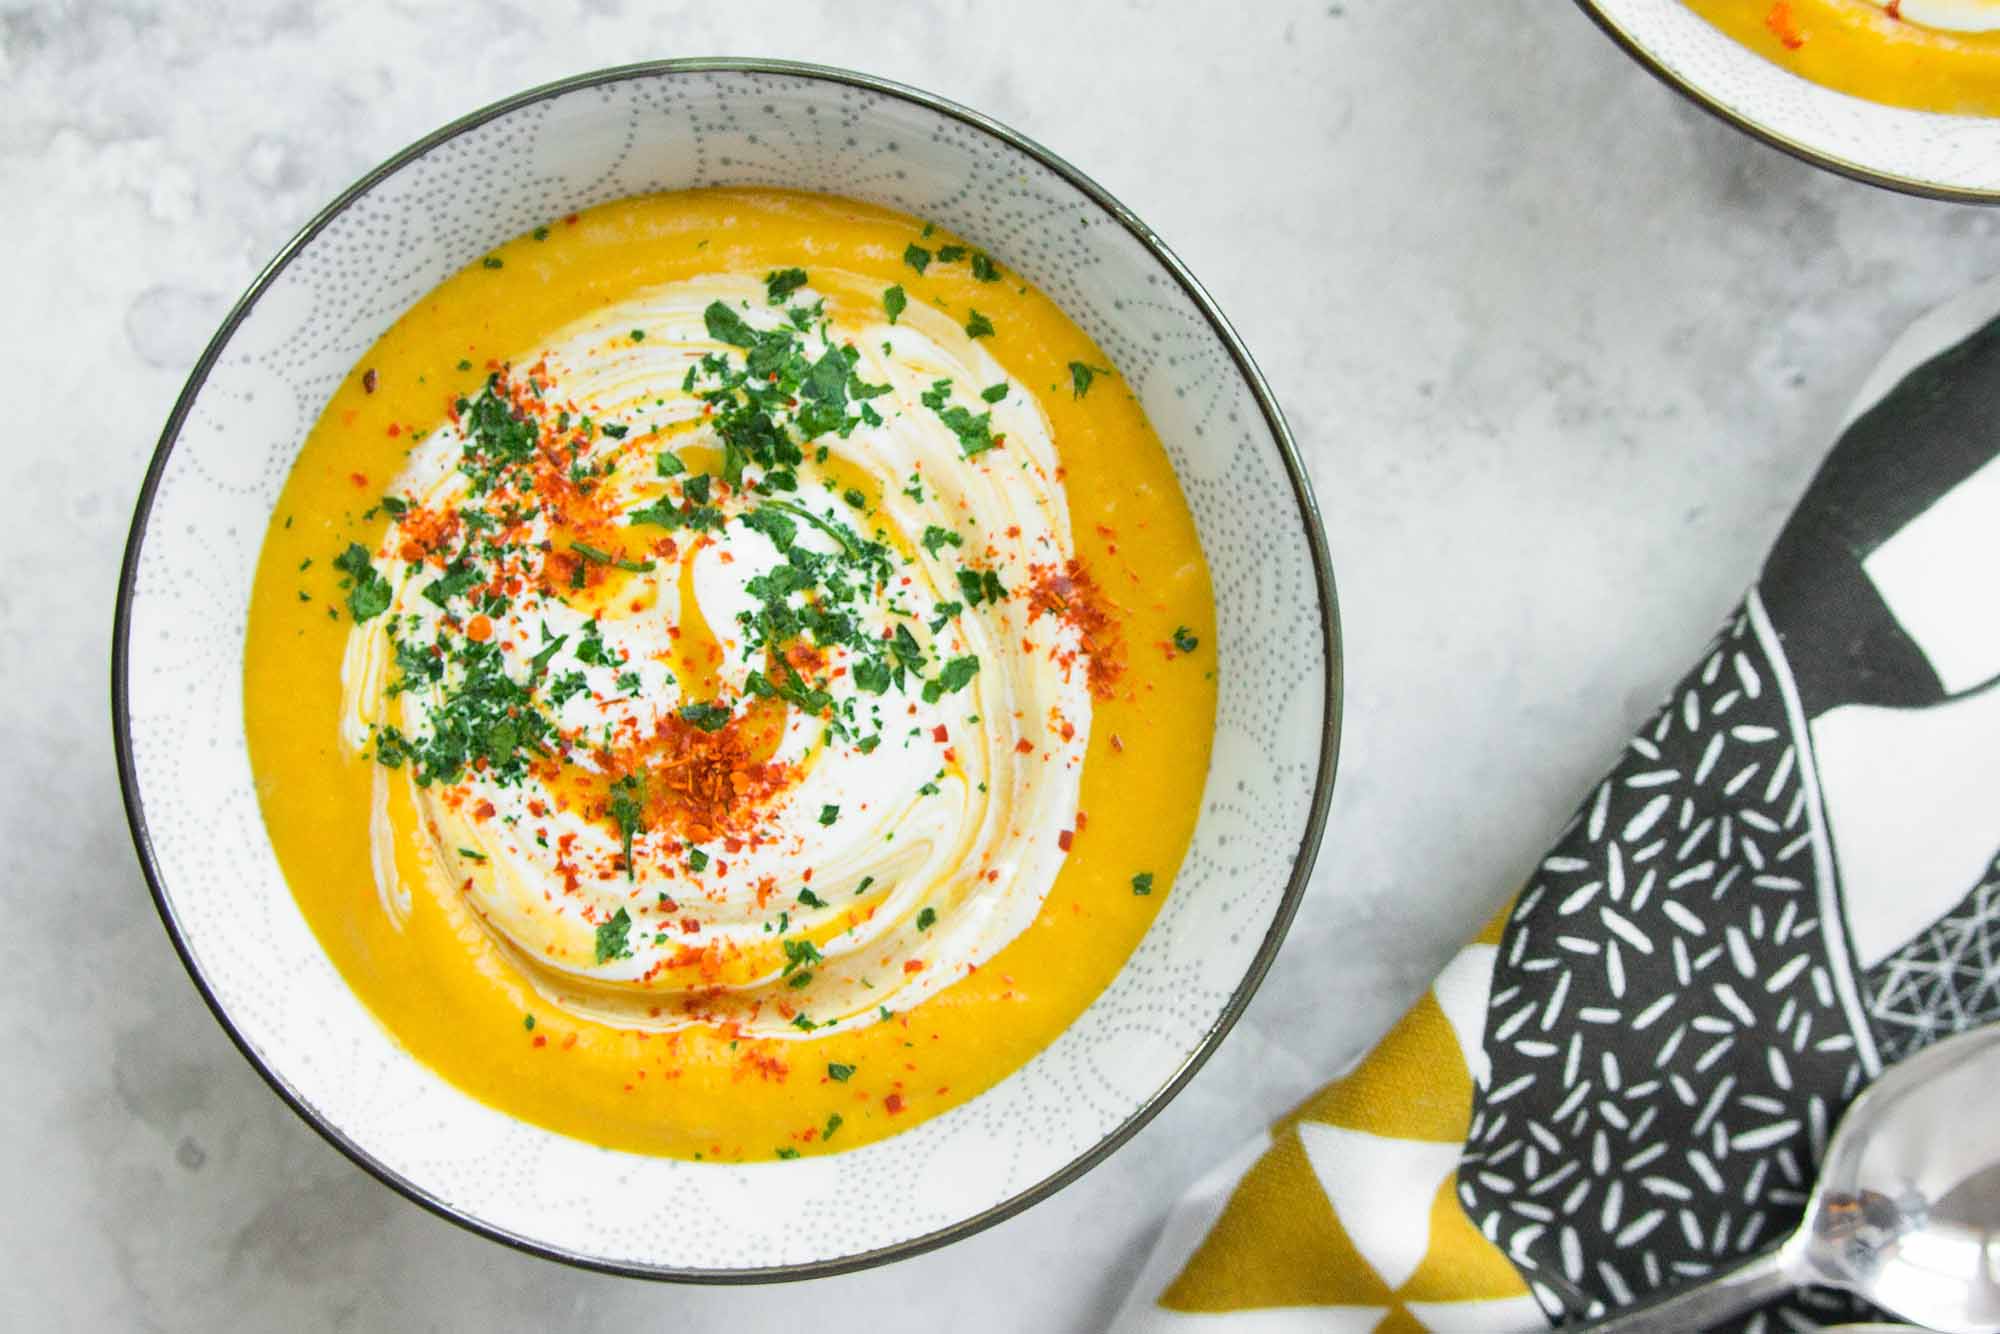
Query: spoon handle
x=1763 y=1277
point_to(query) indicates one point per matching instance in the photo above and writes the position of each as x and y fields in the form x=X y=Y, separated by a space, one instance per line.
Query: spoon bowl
x=1907 y=1210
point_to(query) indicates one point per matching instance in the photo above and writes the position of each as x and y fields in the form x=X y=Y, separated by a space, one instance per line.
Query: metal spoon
x=1906 y=1213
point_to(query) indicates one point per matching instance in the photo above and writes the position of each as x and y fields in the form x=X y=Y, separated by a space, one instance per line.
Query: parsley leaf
x=1185 y=640
x=839 y=1073
x=936 y=538
x=894 y=301
x=369 y=596
x=726 y=326
x=707 y=715
x=611 y=937
x=993 y=393
x=781 y=284
x=916 y=257
x=926 y=919
x=1142 y=883
x=984 y=269
x=1080 y=375
x=978 y=326
x=628 y=809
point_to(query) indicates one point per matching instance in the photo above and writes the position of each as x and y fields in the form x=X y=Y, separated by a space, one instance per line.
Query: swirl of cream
x=1948 y=15
x=875 y=853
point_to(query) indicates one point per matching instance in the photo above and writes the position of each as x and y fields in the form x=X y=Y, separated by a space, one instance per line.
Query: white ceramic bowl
x=177 y=668
x=1922 y=152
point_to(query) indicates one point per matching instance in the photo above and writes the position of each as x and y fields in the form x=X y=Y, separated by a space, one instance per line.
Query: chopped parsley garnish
x=926 y=919
x=528 y=1022
x=1142 y=883
x=1080 y=375
x=993 y=393
x=789 y=1153
x=1185 y=640
x=895 y=302
x=974 y=432
x=628 y=812
x=978 y=326
x=597 y=557
x=916 y=257
x=833 y=1123
x=367 y=591
x=611 y=937
x=726 y=326
x=638 y=335
x=980 y=586
x=950 y=254
x=492 y=262
x=828 y=814
x=800 y=954
x=668 y=464
x=590 y=649
x=810 y=899
x=708 y=715
x=780 y=285
x=697 y=860
x=936 y=539
x=541 y=233
x=984 y=269
x=803 y=1024
x=839 y=1073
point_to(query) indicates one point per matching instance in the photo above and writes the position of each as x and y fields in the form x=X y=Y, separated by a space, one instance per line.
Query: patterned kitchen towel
x=1786 y=882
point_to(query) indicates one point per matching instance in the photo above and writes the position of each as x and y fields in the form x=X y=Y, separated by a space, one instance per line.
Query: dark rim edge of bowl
x=1839 y=166
x=1295 y=471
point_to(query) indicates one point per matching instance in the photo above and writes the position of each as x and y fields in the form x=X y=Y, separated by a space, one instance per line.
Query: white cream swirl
x=875 y=855
x=1949 y=15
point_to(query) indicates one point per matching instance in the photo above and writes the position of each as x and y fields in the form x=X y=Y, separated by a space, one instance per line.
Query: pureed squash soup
x=1928 y=55
x=730 y=674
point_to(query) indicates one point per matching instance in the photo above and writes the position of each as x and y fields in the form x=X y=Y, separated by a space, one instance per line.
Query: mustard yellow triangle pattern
x=1414 y=1085
x=1461 y=1263
x=1278 y=1241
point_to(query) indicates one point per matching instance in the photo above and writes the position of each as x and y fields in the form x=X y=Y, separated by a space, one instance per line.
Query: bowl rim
x=1295 y=472
x=1818 y=157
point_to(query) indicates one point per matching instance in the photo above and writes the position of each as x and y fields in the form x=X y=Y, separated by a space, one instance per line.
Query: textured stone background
x=1560 y=352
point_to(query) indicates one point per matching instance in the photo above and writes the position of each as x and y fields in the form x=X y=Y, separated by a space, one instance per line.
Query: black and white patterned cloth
x=1787 y=882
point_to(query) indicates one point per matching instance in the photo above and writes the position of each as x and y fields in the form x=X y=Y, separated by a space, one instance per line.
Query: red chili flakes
x=484 y=810
x=1784 y=27
x=1070 y=595
x=1025 y=746
x=541 y=1040
x=394 y=430
x=1065 y=838
x=426 y=531
x=913 y=965
x=939 y=734
x=360 y=479
x=368 y=381
x=893 y=1104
